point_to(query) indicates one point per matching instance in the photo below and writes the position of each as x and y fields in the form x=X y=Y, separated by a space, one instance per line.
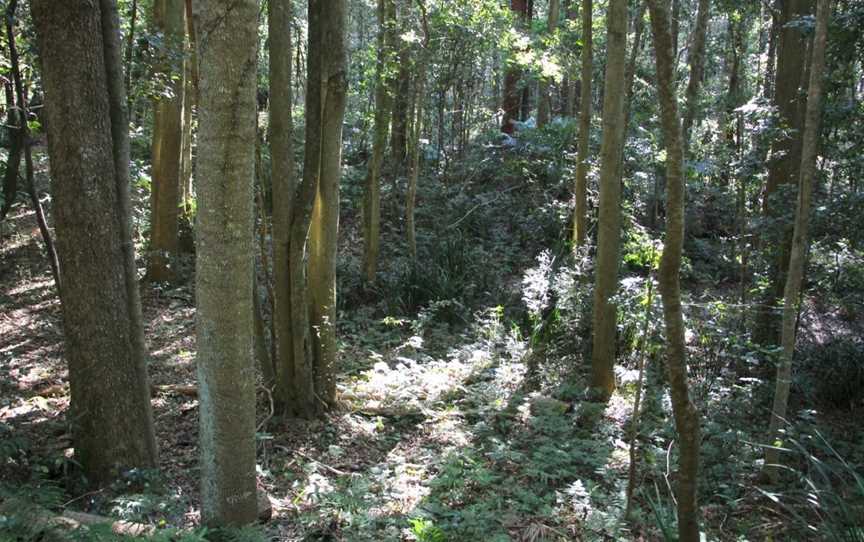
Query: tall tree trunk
x=14 y=128
x=792 y=292
x=697 y=69
x=227 y=55
x=414 y=169
x=685 y=413
x=580 y=219
x=329 y=16
x=292 y=208
x=402 y=99
x=383 y=105
x=169 y=19
x=190 y=92
x=512 y=98
x=609 y=226
x=129 y=53
x=544 y=101
x=89 y=150
x=783 y=167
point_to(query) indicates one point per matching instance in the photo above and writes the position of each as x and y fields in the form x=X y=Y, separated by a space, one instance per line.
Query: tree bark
x=227 y=36
x=609 y=221
x=89 y=150
x=383 y=106
x=324 y=228
x=783 y=166
x=685 y=413
x=580 y=218
x=512 y=99
x=169 y=20
x=797 y=260
x=697 y=69
x=544 y=101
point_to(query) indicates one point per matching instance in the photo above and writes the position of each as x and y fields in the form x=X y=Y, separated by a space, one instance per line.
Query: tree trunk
x=697 y=68
x=224 y=265
x=580 y=219
x=190 y=91
x=89 y=150
x=544 y=101
x=609 y=232
x=13 y=160
x=792 y=292
x=512 y=99
x=383 y=105
x=685 y=413
x=329 y=17
x=169 y=20
x=414 y=169
x=129 y=53
x=783 y=167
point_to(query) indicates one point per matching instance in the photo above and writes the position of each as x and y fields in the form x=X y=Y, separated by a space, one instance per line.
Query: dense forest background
x=432 y=270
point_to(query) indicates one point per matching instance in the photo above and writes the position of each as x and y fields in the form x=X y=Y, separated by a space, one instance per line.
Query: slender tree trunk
x=24 y=135
x=580 y=220
x=783 y=166
x=383 y=105
x=685 y=413
x=129 y=53
x=190 y=92
x=89 y=150
x=544 y=101
x=330 y=16
x=797 y=260
x=400 y=128
x=697 y=69
x=13 y=160
x=169 y=20
x=609 y=222
x=227 y=56
x=414 y=169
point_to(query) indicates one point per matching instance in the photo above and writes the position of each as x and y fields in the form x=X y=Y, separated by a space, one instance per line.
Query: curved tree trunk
x=580 y=220
x=791 y=295
x=89 y=150
x=609 y=222
x=686 y=415
x=225 y=253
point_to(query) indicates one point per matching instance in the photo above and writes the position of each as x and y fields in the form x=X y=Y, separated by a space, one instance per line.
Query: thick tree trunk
x=792 y=292
x=580 y=218
x=325 y=215
x=697 y=69
x=544 y=100
x=170 y=20
x=609 y=222
x=89 y=150
x=783 y=167
x=383 y=105
x=685 y=413
x=227 y=37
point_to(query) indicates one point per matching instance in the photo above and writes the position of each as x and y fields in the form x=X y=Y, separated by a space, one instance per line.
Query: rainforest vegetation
x=431 y=270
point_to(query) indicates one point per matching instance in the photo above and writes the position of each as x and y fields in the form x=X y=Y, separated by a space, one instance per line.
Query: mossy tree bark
x=609 y=221
x=685 y=413
x=383 y=105
x=227 y=37
x=169 y=19
x=88 y=145
x=798 y=256
x=327 y=27
x=580 y=219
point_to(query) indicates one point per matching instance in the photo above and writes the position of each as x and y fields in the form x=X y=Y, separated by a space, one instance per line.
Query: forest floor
x=440 y=435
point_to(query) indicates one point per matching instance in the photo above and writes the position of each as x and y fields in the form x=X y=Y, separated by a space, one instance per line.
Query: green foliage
x=426 y=531
x=832 y=374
